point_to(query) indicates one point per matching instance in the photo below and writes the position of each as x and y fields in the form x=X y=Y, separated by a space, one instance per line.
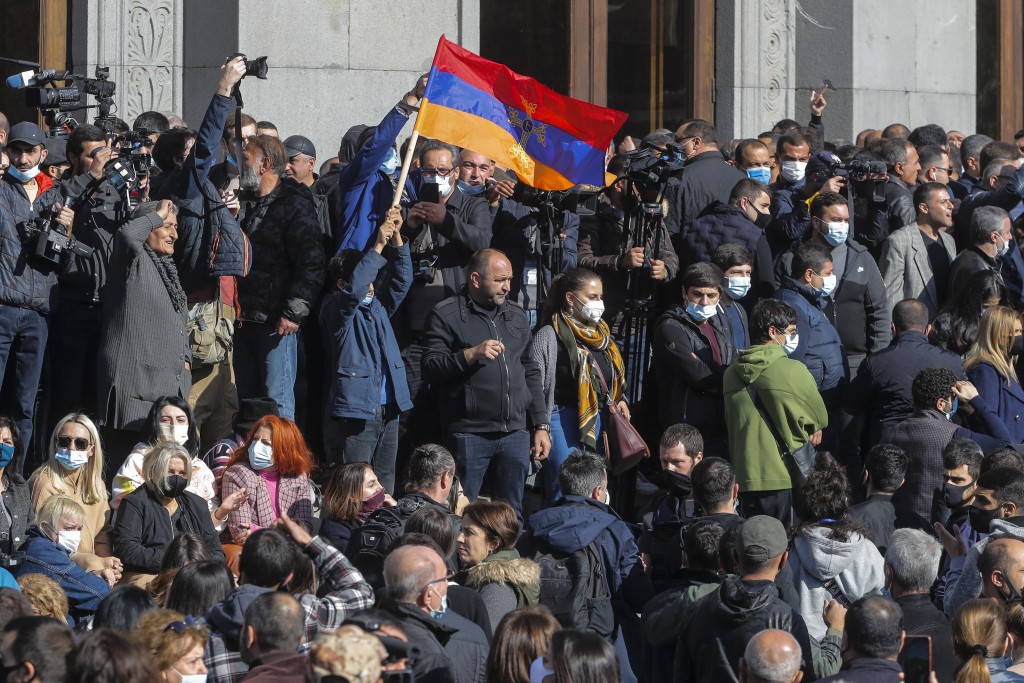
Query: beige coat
x=96 y=543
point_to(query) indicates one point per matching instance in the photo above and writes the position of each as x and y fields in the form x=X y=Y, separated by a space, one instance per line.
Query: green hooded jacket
x=791 y=397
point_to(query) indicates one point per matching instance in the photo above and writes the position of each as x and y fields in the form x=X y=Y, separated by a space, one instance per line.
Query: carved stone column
x=764 y=45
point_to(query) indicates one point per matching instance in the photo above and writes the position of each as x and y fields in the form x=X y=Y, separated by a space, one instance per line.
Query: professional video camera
x=130 y=148
x=581 y=200
x=52 y=242
x=868 y=177
x=57 y=100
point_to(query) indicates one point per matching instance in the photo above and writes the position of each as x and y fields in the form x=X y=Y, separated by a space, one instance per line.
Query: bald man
x=491 y=392
x=772 y=656
x=1002 y=569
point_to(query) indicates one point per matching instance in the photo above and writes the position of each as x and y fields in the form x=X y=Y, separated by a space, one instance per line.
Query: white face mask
x=793 y=171
x=71 y=460
x=828 y=284
x=592 y=310
x=191 y=678
x=69 y=540
x=444 y=185
x=738 y=287
x=792 y=341
x=837 y=232
x=701 y=313
x=261 y=456
x=176 y=433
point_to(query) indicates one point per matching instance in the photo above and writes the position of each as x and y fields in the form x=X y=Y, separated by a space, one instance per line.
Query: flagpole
x=406 y=163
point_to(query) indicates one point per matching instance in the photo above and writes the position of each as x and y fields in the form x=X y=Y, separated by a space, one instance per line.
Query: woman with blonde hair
x=46 y=596
x=174 y=643
x=981 y=642
x=989 y=366
x=150 y=517
x=75 y=469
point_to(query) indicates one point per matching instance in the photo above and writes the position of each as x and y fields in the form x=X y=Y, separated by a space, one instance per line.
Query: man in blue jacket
x=370 y=389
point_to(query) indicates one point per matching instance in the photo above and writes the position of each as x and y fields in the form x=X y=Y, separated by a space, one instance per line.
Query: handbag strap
x=604 y=385
x=763 y=410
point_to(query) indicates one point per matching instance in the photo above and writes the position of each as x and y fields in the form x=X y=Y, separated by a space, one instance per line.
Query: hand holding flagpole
x=416 y=95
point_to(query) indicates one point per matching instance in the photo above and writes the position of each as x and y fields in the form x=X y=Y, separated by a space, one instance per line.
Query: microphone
x=28 y=79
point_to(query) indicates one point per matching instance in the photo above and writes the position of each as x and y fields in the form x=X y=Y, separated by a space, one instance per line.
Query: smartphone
x=916 y=659
x=429 y=193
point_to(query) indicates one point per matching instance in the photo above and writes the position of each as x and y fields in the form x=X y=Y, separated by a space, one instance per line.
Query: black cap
x=251 y=410
x=56 y=152
x=26 y=131
x=297 y=144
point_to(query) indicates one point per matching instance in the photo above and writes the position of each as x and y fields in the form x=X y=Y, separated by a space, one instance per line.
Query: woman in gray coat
x=144 y=350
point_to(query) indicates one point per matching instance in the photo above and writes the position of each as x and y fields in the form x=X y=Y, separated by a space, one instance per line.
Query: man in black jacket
x=711 y=644
x=885 y=468
x=902 y=163
x=871 y=643
x=474 y=350
x=991 y=238
x=881 y=389
x=911 y=564
x=287 y=271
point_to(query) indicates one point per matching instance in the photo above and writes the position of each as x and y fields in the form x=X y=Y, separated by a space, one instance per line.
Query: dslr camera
x=253 y=67
x=868 y=177
x=424 y=268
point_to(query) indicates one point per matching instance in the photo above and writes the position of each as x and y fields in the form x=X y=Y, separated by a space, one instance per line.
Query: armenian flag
x=551 y=141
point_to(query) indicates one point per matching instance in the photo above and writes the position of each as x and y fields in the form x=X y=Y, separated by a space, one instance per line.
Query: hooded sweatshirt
x=855 y=565
x=791 y=397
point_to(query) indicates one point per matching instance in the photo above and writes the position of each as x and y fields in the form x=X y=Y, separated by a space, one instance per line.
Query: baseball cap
x=298 y=144
x=56 y=152
x=822 y=162
x=761 y=538
x=26 y=131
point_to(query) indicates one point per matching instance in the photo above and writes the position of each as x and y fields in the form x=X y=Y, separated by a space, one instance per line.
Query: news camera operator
x=606 y=249
x=28 y=284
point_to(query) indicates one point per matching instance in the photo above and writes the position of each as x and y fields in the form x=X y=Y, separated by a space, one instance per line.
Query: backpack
x=371 y=541
x=574 y=587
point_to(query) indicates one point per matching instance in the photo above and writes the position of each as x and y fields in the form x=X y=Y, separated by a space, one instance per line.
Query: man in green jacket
x=790 y=396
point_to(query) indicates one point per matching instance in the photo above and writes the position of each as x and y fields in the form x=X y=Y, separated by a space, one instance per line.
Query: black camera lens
x=256 y=67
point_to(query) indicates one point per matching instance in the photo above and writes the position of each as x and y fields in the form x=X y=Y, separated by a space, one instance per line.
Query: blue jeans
x=266 y=364
x=565 y=436
x=23 y=335
x=504 y=456
x=373 y=441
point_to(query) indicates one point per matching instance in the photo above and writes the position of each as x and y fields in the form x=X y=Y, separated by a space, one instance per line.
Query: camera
x=52 y=242
x=13 y=559
x=253 y=67
x=130 y=146
x=649 y=173
x=423 y=267
x=868 y=177
x=579 y=201
x=56 y=100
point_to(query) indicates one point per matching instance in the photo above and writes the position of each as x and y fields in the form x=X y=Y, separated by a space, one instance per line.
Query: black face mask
x=763 y=219
x=677 y=484
x=1017 y=349
x=953 y=496
x=981 y=520
x=174 y=487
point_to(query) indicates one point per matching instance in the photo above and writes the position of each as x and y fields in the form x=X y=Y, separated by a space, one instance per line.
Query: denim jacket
x=43 y=556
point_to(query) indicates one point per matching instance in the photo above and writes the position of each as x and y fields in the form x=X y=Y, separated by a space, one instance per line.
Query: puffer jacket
x=288 y=255
x=22 y=282
x=820 y=348
x=818 y=557
x=723 y=223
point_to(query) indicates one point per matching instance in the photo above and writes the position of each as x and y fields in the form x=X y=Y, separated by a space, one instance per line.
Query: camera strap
x=239 y=159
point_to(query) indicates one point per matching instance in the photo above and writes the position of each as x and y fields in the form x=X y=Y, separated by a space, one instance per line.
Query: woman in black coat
x=152 y=515
x=15 y=501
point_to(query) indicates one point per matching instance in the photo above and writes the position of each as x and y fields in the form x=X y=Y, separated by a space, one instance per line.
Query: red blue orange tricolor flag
x=551 y=141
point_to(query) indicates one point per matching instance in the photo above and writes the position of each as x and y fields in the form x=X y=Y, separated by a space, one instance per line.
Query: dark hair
x=434 y=522
x=826 y=495
x=959 y=452
x=786 y=125
x=152 y=121
x=343 y=494
x=727 y=550
x=84 y=132
x=617 y=165
x=265 y=125
x=270 y=148
x=997 y=150
x=923 y=193
x=823 y=200
x=106 y=655
x=971 y=148
x=963 y=308
x=701 y=544
x=930 y=134
x=910 y=314
x=742 y=145
x=170 y=146
x=343 y=264
x=229 y=125
x=480 y=261
x=122 y=607
x=199 y=586
x=19 y=450
x=986 y=220
x=416 y=539
x=13 y=604
x=572 y=280
x=278 y=620
x=809 y=256
x=703 y=274
x=1007 y=456
x=267 y=558
x=793 y=138
x=874 y=627
x=522 y=635
x=434 y=146
x=712 y=480
x=770 y=313
x=184 y=549
x=682 y=433
x=581 y=473
x=1006 y=484
x=730 y=255
x=150 y=432
x=930 y=155
x=930 y=385
x=705 y=130
x=43 y=641
x=583 y=657
x=426 y=465
x=886 y=464
x=749 y=189
x=496 y=518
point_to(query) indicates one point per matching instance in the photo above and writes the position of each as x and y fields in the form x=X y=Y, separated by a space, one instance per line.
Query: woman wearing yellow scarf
x=574 y=350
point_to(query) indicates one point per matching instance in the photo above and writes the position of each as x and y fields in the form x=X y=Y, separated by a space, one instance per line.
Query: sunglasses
x=66 y=441
x=180 y=627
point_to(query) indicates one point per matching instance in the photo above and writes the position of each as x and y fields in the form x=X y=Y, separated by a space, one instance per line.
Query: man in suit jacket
x=916 y=259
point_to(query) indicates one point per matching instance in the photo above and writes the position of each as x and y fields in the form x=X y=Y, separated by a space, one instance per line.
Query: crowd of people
x=300 y=431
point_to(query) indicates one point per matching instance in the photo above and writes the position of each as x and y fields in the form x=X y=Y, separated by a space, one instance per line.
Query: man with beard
x=287 y=270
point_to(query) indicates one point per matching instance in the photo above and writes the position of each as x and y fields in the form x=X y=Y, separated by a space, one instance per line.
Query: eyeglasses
x=180 y=627
x=438 y=173
x=66 y=441
x=445 y=579
x=682 y=141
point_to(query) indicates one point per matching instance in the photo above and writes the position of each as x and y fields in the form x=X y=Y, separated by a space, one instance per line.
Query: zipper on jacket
x=506 y=381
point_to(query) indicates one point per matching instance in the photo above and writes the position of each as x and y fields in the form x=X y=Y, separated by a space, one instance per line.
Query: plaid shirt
x=349 y=593
x=294 y=498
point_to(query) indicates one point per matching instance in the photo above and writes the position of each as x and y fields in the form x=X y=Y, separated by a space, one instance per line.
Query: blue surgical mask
x=471 y=190
x=391 y=162
x=761 y=174
x=366 y=299
x=700 y=313
x=792 y=341
x=23 y=176
x=261 y=456
x=837 y=232
x=439 y=613
x=1001 y=251
x=738 y=287
x=955 y=407
x=71 y=460
x=6 y=454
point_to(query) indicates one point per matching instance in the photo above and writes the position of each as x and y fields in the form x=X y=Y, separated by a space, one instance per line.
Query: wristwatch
x=544 y=427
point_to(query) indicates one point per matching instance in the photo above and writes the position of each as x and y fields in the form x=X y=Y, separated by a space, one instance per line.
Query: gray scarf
x=169 y=274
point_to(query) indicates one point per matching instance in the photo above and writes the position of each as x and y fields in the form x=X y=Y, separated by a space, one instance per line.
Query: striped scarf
x=585 y=340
